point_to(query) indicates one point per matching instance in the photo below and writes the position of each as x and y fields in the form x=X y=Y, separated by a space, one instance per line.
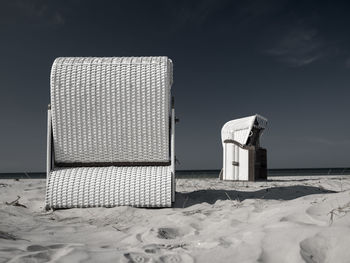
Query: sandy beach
x=286 y=219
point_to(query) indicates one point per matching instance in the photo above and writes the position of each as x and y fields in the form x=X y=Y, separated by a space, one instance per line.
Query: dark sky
x=286 y=60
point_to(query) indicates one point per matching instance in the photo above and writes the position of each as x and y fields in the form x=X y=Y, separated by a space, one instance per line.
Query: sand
x=286 y=219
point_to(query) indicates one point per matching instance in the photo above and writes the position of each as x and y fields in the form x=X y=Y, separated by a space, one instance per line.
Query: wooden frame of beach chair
x=111 y=133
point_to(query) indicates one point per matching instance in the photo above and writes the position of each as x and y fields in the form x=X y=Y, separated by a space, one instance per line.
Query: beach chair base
x=139 y=186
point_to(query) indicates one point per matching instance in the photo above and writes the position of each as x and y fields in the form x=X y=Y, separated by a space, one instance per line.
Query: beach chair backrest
x=111 y=111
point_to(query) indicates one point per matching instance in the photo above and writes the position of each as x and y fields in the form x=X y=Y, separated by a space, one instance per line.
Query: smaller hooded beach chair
x=111 y=133
x=243 y=158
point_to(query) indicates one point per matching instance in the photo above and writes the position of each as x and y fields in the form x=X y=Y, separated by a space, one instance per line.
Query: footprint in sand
x=32 y=248
x=153 y=248
x=134 y=257
x=38 y=257
x=158 y=235
x=331 y=245
x=167 y=233
x=139 y=237
x=56 y=246
x=170 y=258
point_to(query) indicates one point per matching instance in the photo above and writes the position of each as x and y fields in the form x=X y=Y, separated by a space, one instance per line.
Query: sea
x=210 y=173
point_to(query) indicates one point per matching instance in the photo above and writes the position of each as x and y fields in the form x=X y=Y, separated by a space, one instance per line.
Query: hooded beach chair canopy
x=111 y=132
x=241 y=129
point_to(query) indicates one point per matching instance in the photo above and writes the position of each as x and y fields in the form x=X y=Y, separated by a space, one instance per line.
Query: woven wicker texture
x=111 y=109
x=109 y=186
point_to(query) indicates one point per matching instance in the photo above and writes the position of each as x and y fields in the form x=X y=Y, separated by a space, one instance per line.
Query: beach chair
x=243 y=158
x=111 y=133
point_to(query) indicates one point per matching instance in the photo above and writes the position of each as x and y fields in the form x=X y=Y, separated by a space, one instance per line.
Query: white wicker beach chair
x=243 y=158
x=111 y=133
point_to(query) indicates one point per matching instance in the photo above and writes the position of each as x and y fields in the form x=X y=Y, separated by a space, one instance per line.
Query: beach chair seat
x=111 y=133
x=147 y=186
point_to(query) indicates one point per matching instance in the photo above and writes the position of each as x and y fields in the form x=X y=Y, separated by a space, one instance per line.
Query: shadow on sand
x=302 y=179
x=274 y=193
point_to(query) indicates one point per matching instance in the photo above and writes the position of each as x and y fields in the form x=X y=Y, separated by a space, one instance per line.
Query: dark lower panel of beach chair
x=257 y=164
